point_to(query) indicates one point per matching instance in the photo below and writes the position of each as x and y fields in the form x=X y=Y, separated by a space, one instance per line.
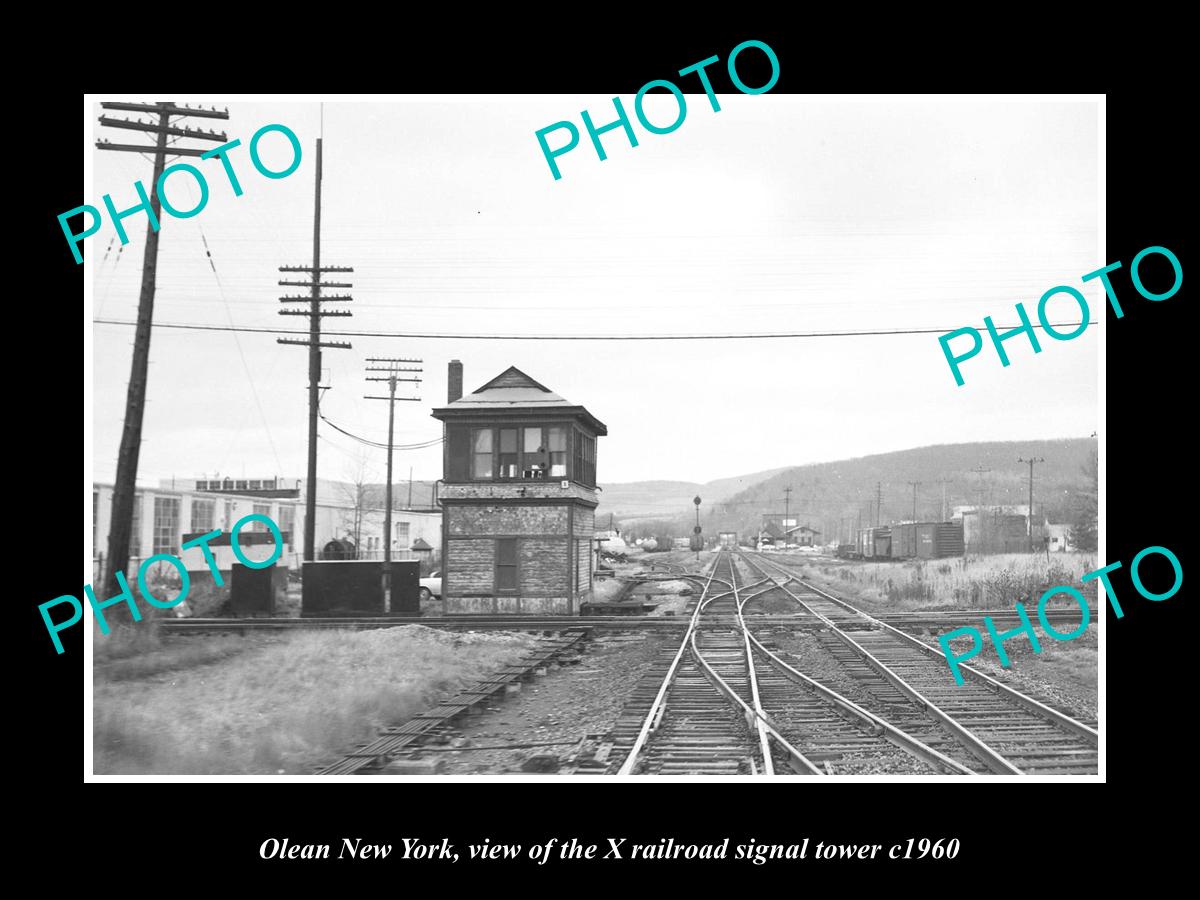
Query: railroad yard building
x=518 y=497
x=996 y=529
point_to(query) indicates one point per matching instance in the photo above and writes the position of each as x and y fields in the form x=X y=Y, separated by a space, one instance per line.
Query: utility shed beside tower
x=518 y=498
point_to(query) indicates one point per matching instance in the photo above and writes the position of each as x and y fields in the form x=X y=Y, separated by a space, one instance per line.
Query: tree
x=355 y=493
x=1086 y=503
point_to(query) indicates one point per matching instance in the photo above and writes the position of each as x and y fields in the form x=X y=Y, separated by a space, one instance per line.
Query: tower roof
x=513 y=390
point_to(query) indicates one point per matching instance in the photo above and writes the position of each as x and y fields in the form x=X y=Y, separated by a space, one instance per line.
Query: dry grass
x=280 y=705
x=976 y=582
x=175 y=656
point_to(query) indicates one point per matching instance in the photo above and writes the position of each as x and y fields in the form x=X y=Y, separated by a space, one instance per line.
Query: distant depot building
x=518 y=497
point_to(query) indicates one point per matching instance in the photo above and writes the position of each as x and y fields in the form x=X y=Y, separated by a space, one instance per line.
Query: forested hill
x=650 y=499
x=831 y=496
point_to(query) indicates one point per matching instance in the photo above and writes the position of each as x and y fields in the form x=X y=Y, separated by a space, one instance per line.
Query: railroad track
x=396 y=740
x=725 y=703
x=984 y=723
x=797 y=619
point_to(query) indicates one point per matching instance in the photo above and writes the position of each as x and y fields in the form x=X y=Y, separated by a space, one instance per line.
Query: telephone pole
x=878 y=500
x=945 y=510
x=394 y=370
x=980 y=470
x=787 y=504
x=983 y=542
x=915 y=485
x=125 y=485
x=314 y=344
x=1029 y=518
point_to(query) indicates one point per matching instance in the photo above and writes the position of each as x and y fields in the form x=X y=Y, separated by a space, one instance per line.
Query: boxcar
x=876 y=543
x=904 y=541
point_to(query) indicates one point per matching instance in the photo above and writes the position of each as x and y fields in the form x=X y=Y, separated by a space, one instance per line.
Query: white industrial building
x=163 y=516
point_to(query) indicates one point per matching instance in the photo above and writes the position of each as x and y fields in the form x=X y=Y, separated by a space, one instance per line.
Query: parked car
x=431 y=587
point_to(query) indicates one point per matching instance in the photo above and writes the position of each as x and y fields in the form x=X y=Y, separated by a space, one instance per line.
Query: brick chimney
x=454 y=382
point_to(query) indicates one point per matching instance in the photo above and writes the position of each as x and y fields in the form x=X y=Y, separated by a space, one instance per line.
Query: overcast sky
x=775 y=214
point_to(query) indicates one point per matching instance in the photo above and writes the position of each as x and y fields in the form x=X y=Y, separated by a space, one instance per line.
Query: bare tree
x=355 y=492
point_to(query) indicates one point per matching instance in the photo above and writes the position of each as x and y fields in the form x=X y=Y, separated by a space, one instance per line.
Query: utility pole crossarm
x=170 y=109
x=134 y=148
x=152 y=128
x=340 y=345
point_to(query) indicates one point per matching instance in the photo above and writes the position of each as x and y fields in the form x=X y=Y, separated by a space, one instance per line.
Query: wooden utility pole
x=393 y=370
x=314 y=344
x=1029 y=518
x=878 y=500
x=983 y=539
x=945 y=510
x=915 y=485
x=125 y=484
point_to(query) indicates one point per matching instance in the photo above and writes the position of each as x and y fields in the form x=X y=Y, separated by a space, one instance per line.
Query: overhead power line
x=419 y=445
x=411 y=335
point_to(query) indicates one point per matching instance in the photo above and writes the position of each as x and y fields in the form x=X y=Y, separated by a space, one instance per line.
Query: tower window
x=558 y=451
x=533 y=457
x=510 y=465
x=481 y=453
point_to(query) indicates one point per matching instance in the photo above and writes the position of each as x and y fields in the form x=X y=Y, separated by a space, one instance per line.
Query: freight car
x=875 y=543
x=727 y=540
x=926 y=540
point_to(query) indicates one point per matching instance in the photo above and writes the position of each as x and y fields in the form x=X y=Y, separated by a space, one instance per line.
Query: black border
x=210 y=833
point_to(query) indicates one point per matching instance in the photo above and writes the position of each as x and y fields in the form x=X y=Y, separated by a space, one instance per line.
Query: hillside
x=837 y=496
x=658 y=499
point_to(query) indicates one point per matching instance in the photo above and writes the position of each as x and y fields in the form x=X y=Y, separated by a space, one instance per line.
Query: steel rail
x=997 y=686
x=990 y=757
x=658 y=707
x=902 y=739
x=752 y=678
x=798 y=760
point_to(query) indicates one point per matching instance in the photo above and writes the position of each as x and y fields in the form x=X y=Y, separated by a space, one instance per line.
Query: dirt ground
x=563 y=708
